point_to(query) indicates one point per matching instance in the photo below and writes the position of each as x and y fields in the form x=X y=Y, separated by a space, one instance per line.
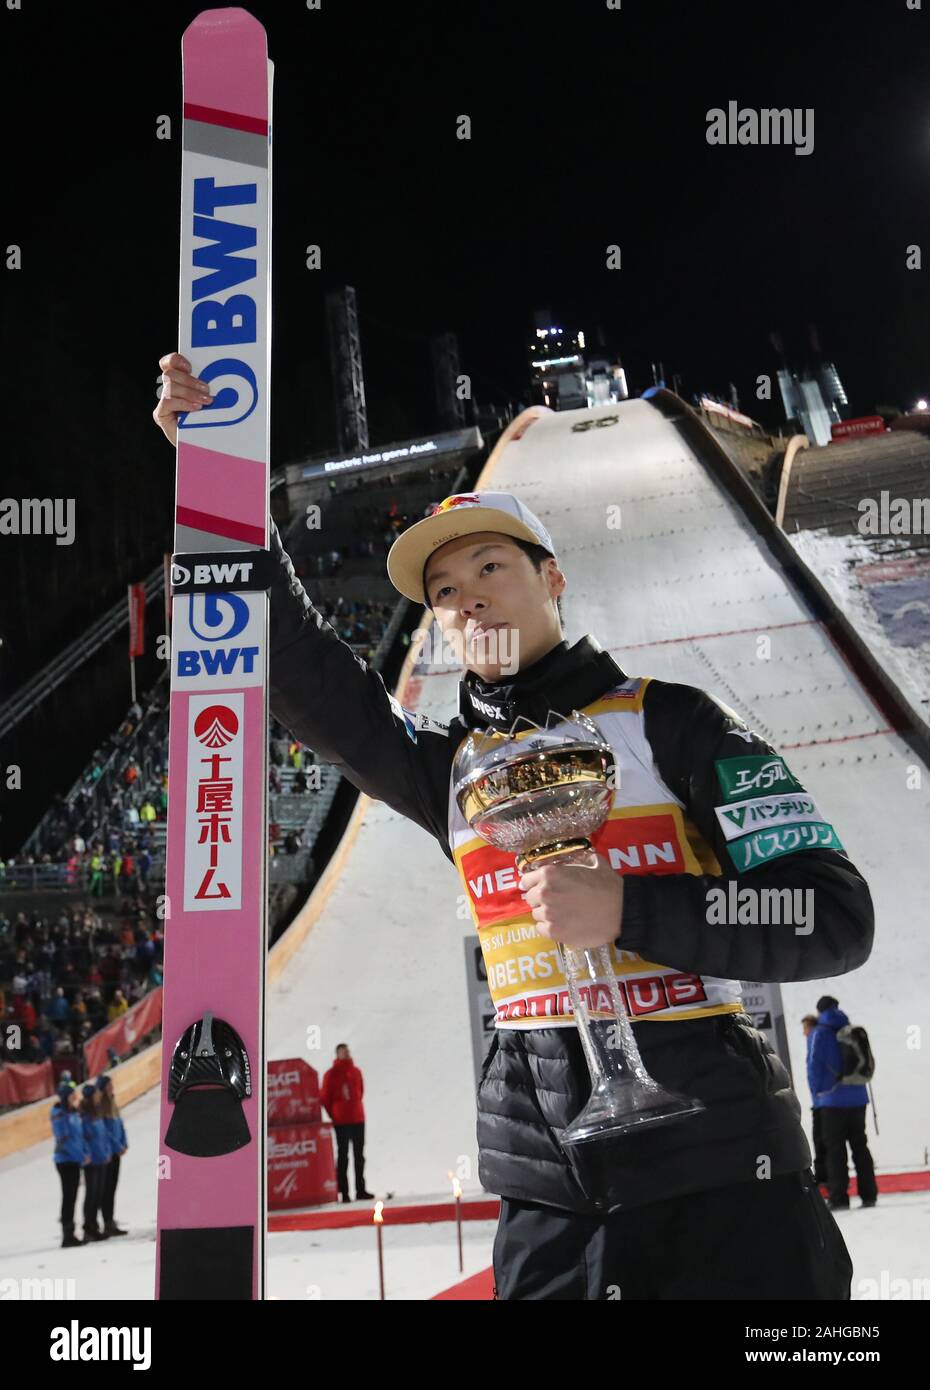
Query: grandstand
x=81 y=935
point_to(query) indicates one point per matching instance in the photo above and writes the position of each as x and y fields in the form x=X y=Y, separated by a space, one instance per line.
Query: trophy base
x=621 y=1109
x=556 y=849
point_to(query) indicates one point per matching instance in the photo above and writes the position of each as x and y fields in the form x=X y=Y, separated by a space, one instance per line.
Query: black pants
x=110 y=1179
x=346 y=1134
x=765 y=1239
x=70 y=1174
x=820 y=1148
x=842 y=1126
x=94 y=1178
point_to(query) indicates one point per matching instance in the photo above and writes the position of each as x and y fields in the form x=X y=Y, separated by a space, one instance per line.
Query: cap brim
x=413 y=547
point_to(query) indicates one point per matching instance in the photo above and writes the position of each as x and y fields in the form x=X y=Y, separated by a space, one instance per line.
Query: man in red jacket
x=342 y=1093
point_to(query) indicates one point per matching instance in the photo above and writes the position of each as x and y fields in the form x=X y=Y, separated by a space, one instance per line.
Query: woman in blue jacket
x=98 y=1144
x=116 y=1133
x=71 y=1154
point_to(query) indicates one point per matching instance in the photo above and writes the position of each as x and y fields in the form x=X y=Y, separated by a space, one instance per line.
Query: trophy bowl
x=545 y=799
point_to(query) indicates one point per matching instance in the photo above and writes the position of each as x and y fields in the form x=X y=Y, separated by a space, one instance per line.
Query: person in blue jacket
x=71 y=1154
x=116 y=1133
x=809 y=1024
x=842 y=1109
x=98 y=1143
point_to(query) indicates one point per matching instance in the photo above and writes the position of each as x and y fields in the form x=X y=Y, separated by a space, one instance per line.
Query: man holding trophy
x=719 y=1162
x=643 y=1136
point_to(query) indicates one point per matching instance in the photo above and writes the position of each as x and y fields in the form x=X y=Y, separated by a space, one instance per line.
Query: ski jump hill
x=683 y=589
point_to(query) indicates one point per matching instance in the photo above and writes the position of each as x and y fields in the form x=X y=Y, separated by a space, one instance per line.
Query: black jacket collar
x=566 y=678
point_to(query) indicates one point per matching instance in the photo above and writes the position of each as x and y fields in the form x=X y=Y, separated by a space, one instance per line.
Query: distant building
x=814 y=400
x=564 y=376
x=831 y=388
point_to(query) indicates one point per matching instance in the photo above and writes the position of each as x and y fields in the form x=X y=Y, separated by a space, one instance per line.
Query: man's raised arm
x=319 y=689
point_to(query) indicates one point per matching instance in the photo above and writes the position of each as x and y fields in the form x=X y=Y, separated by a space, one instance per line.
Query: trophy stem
x=624 y=1097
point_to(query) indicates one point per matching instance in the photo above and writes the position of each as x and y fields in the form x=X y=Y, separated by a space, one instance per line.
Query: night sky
x=589 y=129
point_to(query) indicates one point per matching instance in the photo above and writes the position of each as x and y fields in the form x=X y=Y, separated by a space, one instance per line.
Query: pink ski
x=211 y=1191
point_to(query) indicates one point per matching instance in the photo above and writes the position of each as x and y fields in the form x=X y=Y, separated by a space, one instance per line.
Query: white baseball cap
x=459 y=515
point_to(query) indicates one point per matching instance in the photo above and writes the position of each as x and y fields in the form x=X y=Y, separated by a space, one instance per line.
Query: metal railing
x=64 y=665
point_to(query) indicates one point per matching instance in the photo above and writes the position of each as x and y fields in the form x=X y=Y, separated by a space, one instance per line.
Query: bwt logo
x=217 y=618
x=217 y=625
x=222 y=323
x=216 y=574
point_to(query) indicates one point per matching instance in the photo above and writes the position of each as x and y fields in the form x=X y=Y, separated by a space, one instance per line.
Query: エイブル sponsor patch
x=755 y=775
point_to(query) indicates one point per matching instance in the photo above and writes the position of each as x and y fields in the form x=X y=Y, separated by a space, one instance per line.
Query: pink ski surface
x=215 y=944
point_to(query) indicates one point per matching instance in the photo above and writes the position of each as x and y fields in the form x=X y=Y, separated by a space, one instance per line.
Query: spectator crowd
x=64 y=978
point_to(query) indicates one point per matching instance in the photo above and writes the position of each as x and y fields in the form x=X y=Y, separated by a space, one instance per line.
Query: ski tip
x=224 y=55
x=216 y=25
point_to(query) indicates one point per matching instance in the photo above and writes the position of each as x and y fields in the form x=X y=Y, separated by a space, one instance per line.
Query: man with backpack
x=839 y=1066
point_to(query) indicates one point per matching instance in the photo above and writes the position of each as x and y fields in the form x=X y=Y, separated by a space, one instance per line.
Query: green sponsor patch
x=752 y=850
x=758 y=813
x=754 y=776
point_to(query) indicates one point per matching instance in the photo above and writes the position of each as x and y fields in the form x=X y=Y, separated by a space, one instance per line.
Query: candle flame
x=456 y=1188
x=377 y=1217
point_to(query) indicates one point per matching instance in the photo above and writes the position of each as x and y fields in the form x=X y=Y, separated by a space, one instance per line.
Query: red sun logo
x=216 y=726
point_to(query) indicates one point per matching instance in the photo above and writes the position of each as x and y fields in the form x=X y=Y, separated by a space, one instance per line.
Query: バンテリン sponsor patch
x=760 y=812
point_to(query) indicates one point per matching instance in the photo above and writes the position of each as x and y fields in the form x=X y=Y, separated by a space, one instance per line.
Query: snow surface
x=680 y=591
x=836 y=560
x=888 y=1243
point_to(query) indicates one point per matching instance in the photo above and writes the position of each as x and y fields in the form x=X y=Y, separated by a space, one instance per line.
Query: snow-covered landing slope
x=885 y=594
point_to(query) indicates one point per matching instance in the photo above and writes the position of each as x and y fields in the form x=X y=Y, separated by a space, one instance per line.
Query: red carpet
x=476 y=1288
x=891 y=1182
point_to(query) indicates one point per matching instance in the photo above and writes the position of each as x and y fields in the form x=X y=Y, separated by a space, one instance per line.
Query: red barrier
x=301 y=1166
x=123 y=1033
x=853 y=429
x=301 y=1163
x=293 y=1093
x=21 y=1082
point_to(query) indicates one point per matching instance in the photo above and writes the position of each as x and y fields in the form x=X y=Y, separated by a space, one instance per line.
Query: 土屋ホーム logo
x=216 y=726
